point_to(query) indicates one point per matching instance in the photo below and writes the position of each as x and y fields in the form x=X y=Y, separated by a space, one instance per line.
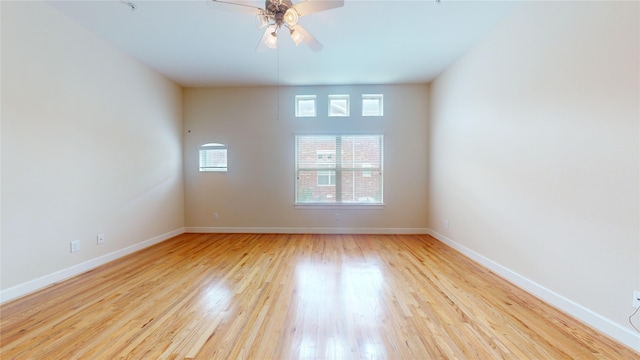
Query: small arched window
x=213 y=157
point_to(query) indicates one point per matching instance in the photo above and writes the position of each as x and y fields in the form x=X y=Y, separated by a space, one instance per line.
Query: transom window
x=338 y=105
x=339 y=169
x=372 y=105
x=305 y=105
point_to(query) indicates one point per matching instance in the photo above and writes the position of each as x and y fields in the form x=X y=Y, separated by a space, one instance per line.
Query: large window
x=339 y=169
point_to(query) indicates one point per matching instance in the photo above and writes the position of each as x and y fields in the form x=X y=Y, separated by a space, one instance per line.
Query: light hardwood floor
x=232 y=296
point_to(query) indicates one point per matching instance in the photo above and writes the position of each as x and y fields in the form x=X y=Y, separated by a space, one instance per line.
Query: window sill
x=319 y=206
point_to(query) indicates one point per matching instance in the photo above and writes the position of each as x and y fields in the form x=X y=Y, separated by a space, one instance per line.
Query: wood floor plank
x=286 y=296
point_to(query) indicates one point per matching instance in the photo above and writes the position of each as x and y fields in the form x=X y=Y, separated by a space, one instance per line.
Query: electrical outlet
x=636 y=298
x=100 y=239
x=446 y=224
x=337 y=217
x=215 y=216
x=75 y=246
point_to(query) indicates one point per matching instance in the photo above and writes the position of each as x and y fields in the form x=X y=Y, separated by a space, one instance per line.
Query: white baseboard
x=589 y=317
x=286 y=230
x=44 y=281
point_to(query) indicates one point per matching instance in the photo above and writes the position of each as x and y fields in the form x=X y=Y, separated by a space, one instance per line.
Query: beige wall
x=258 y=190
x=91 y=143
x=535 y=151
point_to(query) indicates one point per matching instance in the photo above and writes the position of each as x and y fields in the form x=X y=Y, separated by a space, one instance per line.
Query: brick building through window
x=339 y=169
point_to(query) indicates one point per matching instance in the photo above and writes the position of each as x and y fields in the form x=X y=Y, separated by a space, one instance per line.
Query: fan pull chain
x=278 y=83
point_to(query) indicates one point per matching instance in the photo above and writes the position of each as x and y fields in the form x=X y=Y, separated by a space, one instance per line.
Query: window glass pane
x=360 y=189
x=315 y=186
x=213 y=157
x=338 y=105
x=326 y=178
x=339 y=169
x=305 y=105
x=372 y=105
x=366 y=173
x=361 y=149
x=311 y=147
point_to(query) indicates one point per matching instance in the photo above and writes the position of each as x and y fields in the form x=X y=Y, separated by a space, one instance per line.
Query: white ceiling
x=195 y=43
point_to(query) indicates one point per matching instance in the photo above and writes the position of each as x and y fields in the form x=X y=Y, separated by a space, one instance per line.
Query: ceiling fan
x=279 y=14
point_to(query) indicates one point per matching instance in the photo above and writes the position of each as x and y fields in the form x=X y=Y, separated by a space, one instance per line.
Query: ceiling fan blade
x=237 y=6
x=261 y=20
x=308 y=39
x=313 y=6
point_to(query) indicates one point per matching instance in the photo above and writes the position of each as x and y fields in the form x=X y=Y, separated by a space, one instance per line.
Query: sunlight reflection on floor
x=347 y=291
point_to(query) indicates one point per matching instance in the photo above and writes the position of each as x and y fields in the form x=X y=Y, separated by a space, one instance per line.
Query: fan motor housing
x=276 y=7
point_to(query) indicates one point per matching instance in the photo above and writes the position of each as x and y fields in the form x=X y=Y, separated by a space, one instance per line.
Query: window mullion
x=339 y=169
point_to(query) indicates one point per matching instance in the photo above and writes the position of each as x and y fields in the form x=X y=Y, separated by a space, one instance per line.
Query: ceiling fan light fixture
x=272 y=39
x=291 y=17
x=296 y=36
x=278 y=13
